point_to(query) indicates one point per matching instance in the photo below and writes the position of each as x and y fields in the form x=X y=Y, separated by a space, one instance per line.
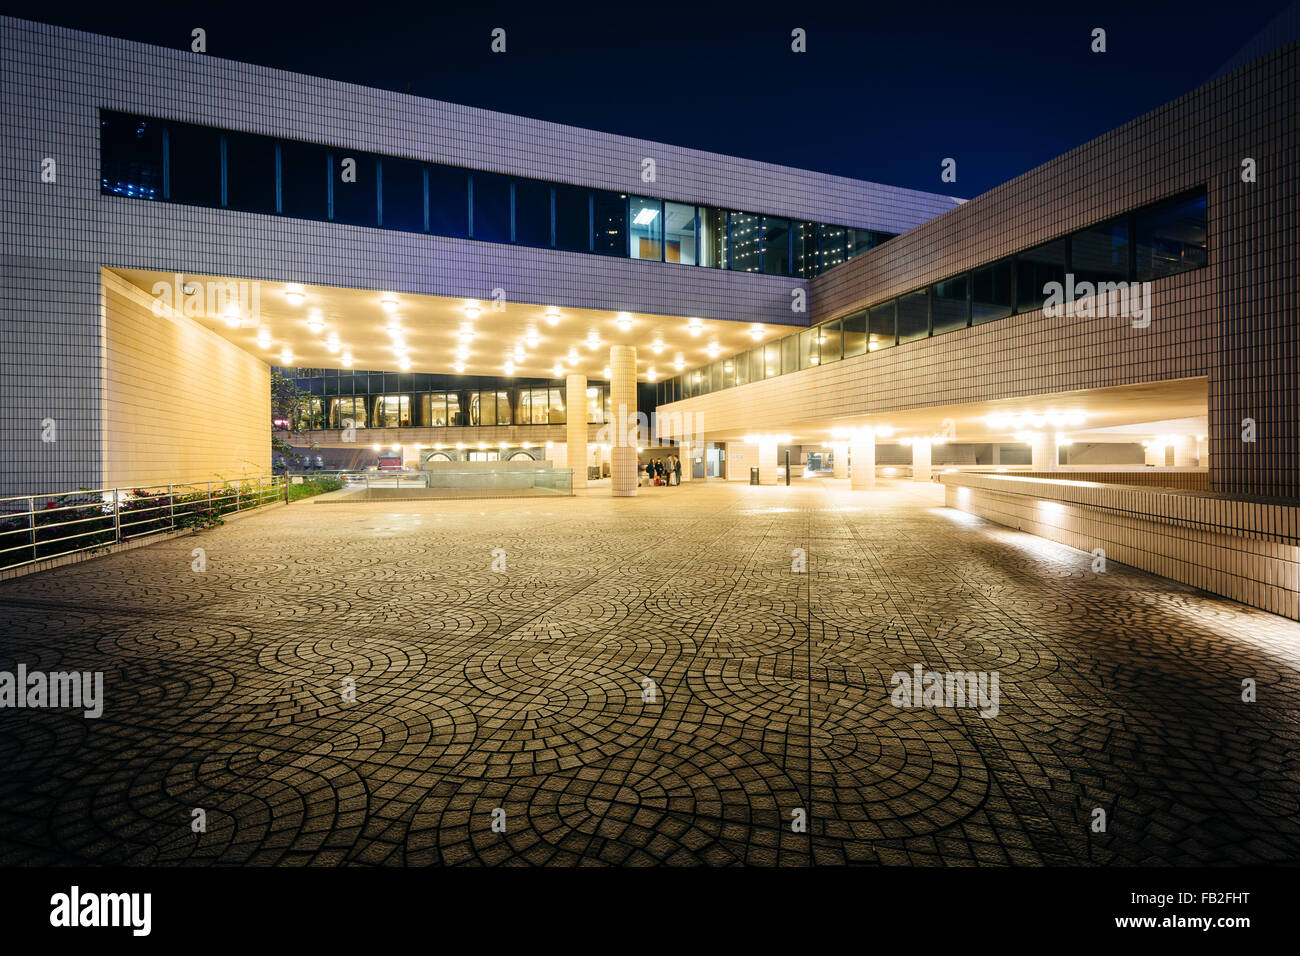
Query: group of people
x=663 y=472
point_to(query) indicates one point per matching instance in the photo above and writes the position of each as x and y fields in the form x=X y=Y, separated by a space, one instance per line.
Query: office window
x=948 y=306
x=859 y=240
x=391 y=411
x=532 y=213
x=596 y=405
x=1171 y=237
x=609 y=212
x=833 y=240
x=1035 y=269
x=679 y=233
x=809 y=350
x=1100 y=254
x=881 y=328
x=914 y=316
x=804 y=252
x=433 y=410
x=556 y=415
x=448 y=201
x=482 y=408
x=572 y=218
x=713 y=238
x=706 y=380
x=789 y=354
x=647 y=227
x=772 y=359
x=776 y=246
x=131 y=156
x=828 y=341
x=308 y=413
x=744 y=363
x=402 y=183
x=535 y=405
x=715 y=375
x=304 y=180
x=250 y=173
x=356 y=187
x=744 y=246
x=991 y=292
x=193 y=164
x=855 y=334
x=491 y=219
x=504 y=416
x=455 y=416
x=343 y=410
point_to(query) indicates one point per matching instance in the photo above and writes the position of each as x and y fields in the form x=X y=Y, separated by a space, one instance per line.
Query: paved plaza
x=378 y=683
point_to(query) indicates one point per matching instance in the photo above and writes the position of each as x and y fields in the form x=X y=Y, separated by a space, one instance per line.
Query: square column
x=622 y=403
x=575 y=429
x=1184 y=450
x=862 y=468
x=922 y=455
x=767 y=461
x=1043 y=453
x=686 y=452
x=840 y=459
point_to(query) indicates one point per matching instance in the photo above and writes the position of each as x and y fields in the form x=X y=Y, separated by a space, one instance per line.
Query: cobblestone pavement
x=523 y=690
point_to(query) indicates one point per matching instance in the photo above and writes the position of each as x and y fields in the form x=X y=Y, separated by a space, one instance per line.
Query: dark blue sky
x=880 y=95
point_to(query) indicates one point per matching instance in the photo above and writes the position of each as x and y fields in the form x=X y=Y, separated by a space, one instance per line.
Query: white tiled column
x=840 y=459
x=1203 y=451
x=575 y=429
x=922 y=455
x=686 y=451
x=862 y=468
x=767 y=461
x=1184 y=450
x=1043 y=453
x=622 y=402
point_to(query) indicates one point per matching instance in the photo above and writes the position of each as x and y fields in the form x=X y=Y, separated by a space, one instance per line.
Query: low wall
x=1246 y=550
x=1187 y=480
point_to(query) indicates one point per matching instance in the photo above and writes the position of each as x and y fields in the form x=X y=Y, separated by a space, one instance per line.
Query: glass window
x=304 y=180
x=743 y=246
x=647 y=226
x=949 y=305
x=991 y=292
x=482 y=408
x=402 y=185
x=539 y=404
x=914 y=316
x=595 y=405
x=1171 y=237
x=557 y=406
x=715 y=375
x=713 y=238
x=855 y=334
x=532 y=213
x=448 y=201
x=250 y=173
x=679 y=233
x=1034 y=270
x=1100 y=254
x=881 y=326
x=789 y=354
x=859 y=240
x=434 y=410
x=833 y=239
x=809 y=350
x=193 y=164
x=391 y=411
x=454 y=414
x=131 y=156
x=356 y=188
x=772 y=359
x=572 y=218
x=805 y=249
x=706 y=380
x=828 y=340
x=743 y=363
x=491 y=218
x=504 y=416
x=609 y=213
x=343 y=410
x=776 y=246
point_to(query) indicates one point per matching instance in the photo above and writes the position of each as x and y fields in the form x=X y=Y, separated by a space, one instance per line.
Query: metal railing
x=469 y=483
x=35 y=528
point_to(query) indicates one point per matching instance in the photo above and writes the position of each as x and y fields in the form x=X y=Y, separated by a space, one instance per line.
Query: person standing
x=677 y=469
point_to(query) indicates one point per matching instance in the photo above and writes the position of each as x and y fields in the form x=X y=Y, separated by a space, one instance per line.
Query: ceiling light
x=294 y=294
x=679 y=363
x=531 y=338
x=315 y=322
x=605 y=371
x=652 y=374
x=264 y=338
x=388 y=301
x=695 y=326
x=756 y=331
x=462 y=353
x=624 y=321
x=332 y=346
x=459 y=367
x=551 y=315
x=286 y=356
x=558 y=370
x=473 y=309
x=713 y=349
x=645 y=216
x=520 y=354
x=231 y=315
x=657 y=345
x=572 y=357
x=593 y=339
x=405 y=364
x=510 y=367
x=347 y=360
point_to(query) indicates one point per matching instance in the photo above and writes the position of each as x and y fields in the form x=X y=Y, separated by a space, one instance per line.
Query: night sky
x=882 y=95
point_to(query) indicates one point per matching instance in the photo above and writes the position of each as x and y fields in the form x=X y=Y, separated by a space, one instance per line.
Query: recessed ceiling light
x=388 y=301
x=459 y=367
x=756 y=331
x=531 y=338
x=286 y=356
x=679 y=363
x=695 y=326
x=264 y=338
x=315 y=322
x=347 y=360
x=593 y=339
x=294 y=294
x=231 y=315
x=551 y=315
x=572 y=357
x=652 y=374
x=624 y=321
x=510 y=367
x=713 y=349
x=473 y=309
x=520 y=354
x=645 y=216
x=605 y=371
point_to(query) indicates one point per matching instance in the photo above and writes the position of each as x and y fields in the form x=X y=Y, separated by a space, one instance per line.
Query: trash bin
x=753 y=476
